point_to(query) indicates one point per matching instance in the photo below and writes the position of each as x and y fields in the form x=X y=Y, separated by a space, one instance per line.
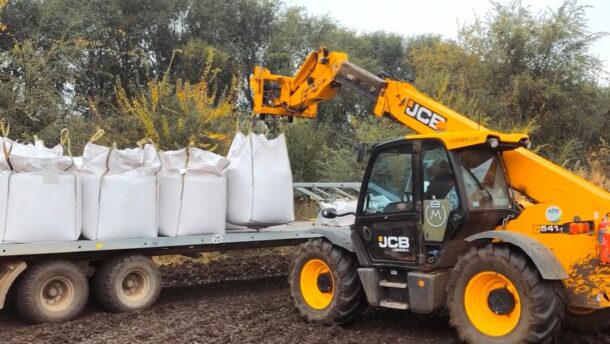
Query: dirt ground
x=232 y=299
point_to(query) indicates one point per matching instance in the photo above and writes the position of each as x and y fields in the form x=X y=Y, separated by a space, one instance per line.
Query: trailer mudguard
x=338 y=236
x=550 y=268
x=8 y=274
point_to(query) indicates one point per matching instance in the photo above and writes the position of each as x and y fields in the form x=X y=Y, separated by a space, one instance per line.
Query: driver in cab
x=441 y=183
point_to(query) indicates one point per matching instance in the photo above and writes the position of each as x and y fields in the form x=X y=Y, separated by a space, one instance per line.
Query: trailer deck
x=234 y=238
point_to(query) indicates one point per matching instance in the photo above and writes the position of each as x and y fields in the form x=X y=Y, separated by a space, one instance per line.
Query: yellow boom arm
x=323 y=73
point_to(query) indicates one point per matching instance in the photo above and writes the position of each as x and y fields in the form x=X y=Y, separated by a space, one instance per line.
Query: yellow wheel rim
x=317 y=285
x=488 y=321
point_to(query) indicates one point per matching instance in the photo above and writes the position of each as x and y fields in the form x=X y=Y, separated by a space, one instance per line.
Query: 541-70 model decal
x=424 y=115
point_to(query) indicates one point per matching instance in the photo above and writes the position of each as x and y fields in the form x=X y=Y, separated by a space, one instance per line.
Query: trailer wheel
x=127 y=283
x=324 y=283
x=588 y=320
x=494 y=295
x=51 y=291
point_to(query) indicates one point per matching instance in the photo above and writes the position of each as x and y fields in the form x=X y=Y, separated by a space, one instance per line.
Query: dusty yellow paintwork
x=551 y=187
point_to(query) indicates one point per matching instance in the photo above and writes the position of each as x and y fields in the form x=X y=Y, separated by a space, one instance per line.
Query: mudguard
x=338 y=236
x=550 y=268
x=8 y=274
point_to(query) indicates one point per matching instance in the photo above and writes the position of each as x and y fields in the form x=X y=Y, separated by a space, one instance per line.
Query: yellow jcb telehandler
x=438 y=223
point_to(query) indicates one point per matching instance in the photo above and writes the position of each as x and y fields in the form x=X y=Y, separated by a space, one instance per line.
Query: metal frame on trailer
x=290 y=234
x=328 y=191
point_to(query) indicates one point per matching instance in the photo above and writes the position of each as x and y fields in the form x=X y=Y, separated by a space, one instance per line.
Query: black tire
x=127 y=283
x=542 y=302
x=348 y=296
x=596 y=321
x=51 y=291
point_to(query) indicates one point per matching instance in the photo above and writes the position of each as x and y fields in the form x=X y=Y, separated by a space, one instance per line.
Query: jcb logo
x=395 y=243
x=424 y=115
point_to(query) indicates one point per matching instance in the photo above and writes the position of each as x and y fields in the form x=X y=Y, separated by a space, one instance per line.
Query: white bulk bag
x=119 y=192
x=43 y=207
x=259 y=181
x=41 y=201
x=192 y=193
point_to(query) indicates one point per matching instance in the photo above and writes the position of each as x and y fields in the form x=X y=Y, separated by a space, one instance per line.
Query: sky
x=444 y=17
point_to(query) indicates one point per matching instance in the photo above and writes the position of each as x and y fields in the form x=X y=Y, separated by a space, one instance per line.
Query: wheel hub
x=316 y=284
x=501 y=301
x=130 y=284
x=52 y=292
x=134 y=286
x=325 y=282
x=57 y=294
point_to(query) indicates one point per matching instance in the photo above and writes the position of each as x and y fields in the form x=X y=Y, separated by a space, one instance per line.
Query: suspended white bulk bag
x=259 y=181
x=119 y=192
x=240 y=191
x=42 y=206
x=193 y=193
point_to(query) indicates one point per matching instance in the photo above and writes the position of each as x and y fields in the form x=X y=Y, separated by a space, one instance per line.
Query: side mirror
x=329 y=213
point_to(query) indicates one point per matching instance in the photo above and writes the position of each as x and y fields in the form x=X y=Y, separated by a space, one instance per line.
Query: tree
x=239 y=28
x=37 y=86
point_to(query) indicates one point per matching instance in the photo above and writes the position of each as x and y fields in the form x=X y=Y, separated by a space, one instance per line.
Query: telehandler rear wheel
x=495 y=295
x=588 y=320
x=324 y=283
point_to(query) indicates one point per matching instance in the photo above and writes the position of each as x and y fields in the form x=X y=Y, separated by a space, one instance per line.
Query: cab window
x=390 y=185
x=484 y=180
x=439 y=180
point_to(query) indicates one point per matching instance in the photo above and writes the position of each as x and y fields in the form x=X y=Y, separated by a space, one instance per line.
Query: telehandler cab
x=438 y=223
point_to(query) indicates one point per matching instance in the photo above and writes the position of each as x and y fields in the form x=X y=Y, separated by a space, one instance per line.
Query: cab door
x=387 y=226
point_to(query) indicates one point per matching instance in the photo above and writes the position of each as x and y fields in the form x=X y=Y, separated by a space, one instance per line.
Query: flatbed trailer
x=51 y=281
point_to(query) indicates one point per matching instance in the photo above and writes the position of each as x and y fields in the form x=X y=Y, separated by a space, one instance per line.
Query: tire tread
x=349 y=300
x=547 y=297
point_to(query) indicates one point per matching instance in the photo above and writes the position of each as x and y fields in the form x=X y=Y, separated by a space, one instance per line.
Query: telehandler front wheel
x=324 y=283
x=496 y=296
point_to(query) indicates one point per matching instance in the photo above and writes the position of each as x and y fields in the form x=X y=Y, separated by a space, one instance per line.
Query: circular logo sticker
x=436 y=214
x=553 y=214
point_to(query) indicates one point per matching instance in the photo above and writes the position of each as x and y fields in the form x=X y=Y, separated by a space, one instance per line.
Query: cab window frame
x=407 y=146
x=434 y=143
x=464 y=197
